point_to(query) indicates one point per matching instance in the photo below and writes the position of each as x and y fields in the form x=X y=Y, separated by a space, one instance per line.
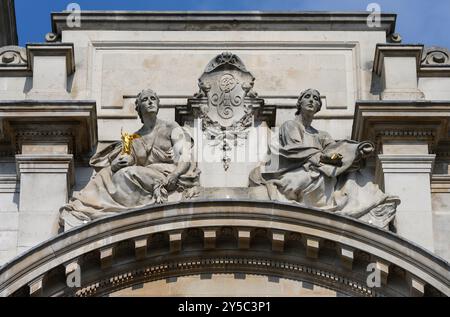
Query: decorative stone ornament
x=436 y=56
x=228 y=115
x=226 y=82
x=13 y=56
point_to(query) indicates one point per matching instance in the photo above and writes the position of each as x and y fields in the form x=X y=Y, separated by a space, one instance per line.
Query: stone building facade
x=65 y=99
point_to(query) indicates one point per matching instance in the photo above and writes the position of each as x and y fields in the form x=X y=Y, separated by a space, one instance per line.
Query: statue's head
x=147 y=101
x=309 y=101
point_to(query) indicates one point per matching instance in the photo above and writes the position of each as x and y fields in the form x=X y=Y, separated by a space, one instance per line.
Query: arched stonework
x=207 y=238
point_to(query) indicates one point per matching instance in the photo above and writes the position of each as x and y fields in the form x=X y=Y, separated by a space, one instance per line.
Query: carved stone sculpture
x=230 y=106
x=436 y=56
x=142 y=169
x=309 y=167
x=13 y=56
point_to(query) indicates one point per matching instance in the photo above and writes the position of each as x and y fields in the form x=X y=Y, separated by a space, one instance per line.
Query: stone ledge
x=440 y=183
x=406 y=163
x=46 y=164
x=401 y=118
x=9 y=184
x=71 y=120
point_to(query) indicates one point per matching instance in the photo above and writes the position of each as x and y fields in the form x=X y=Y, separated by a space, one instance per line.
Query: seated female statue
x=308 y=166
x=140 y=170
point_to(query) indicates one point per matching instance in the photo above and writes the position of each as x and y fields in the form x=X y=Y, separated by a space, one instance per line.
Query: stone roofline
x=224 y=21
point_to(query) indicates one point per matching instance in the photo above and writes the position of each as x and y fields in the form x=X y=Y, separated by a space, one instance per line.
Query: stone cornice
x=223 y=21
x=33 y=119
x=406 y=163
x=99 y=238
x=46 y=164
x=440 y=183
x=401 y=119
x=9 y=184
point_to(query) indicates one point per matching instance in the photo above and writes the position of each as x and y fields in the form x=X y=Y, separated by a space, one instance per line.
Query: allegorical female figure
x=309 y=167
x=140 y=170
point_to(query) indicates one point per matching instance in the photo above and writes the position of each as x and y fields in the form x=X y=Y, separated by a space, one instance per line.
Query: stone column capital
x=46 y=164
x=406 y=163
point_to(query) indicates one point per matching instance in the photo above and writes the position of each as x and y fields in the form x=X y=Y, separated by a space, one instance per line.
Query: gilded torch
x=127 y=140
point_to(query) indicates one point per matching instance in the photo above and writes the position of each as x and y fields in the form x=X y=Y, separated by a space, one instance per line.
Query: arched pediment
x=271 y=239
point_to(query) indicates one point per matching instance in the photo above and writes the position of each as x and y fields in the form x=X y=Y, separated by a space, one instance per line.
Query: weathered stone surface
x=286 y=53
x=387 y=250
x=307 y=166
x=140 y=170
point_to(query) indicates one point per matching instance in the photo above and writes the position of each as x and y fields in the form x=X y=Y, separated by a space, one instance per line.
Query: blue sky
x=418 y=21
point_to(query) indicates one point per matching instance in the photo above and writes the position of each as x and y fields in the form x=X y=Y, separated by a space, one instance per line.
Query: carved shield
x=226 y=82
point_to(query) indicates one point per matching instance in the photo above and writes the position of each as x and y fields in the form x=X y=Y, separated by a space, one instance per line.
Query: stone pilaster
x=45 y=181
x=406 y=133
x=408 y=176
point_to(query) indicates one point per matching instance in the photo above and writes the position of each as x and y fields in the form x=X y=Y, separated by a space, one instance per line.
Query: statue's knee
x=123 y=172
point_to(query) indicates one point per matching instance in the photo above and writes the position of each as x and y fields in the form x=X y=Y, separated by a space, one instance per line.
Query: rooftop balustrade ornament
x=436 y=56
x=13 y=56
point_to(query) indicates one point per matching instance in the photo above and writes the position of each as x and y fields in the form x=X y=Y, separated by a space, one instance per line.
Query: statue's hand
x=121 y=162
x=332 y=159
x=172 y=181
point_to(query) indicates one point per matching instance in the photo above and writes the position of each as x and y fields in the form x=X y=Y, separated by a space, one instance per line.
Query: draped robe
x=293 y=172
